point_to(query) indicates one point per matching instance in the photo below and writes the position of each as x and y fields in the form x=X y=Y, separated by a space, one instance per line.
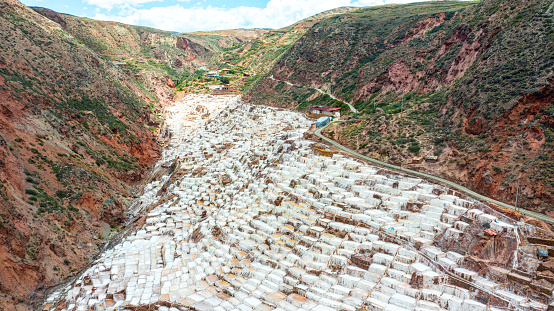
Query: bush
x=100 y=110
x=62 y=193
x=414 y=149
x=31 y=191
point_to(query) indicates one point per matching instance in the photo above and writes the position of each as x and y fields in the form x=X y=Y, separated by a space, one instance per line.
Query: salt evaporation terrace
x=248 y=217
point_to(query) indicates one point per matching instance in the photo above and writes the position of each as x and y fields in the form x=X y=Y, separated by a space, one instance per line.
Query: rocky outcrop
x=397 y=77
x=193 y=49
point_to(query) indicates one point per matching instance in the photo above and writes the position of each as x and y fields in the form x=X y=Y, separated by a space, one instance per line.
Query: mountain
x=74 y=132
x=116 y=39
x=468 y=82
x=146 y=51
x=259 y=54
x=81 y=101
x=80 y=104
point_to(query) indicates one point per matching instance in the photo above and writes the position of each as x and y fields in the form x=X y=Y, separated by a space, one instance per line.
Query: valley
x=143 y=169
x=244 y=213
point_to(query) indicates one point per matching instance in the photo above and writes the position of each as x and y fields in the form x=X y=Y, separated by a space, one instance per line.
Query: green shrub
x=63 y=193
x=414 y=149
x=100 y=110
x=31 y=192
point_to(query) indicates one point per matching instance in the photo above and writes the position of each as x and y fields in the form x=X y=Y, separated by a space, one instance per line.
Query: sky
x=200 y=15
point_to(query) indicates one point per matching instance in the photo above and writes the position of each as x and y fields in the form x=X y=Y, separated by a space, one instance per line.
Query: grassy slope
x=472 y=81
x=258 y=55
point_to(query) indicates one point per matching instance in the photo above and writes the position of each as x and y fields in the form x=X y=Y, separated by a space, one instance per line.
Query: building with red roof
x=323 y=111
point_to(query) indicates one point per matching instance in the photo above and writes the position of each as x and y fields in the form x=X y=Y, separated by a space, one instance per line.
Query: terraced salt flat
x=250 y=218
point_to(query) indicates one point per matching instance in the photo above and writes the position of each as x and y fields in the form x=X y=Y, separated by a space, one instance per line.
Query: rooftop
x=325 y=108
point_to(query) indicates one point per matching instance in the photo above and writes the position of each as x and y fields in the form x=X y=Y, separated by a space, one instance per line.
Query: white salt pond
x=250 y=218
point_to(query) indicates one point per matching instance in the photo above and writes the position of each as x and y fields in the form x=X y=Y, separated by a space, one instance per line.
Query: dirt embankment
x=76 y=132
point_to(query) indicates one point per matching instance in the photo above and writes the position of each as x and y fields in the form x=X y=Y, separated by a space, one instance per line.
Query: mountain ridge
x=451 y=84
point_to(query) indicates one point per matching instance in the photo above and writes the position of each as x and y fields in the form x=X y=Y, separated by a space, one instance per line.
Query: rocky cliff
x=468 y=82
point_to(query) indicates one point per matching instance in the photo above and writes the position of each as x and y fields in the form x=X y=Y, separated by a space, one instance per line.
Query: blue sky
x=198 y=15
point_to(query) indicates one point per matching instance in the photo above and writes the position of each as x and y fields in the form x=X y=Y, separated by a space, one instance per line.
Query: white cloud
x=276 y=14
x=109 y=4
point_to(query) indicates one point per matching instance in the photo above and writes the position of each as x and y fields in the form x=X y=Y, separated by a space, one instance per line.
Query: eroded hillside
x=258 y=55
x=79 y=107
x=154 y=57
x=467 y=82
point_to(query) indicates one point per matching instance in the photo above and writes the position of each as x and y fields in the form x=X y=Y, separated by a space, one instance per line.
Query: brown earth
x=76 y=133
x=469 y=83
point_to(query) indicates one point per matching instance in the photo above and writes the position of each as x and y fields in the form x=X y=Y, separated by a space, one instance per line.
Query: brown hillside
x=76 y=132
x=468 y=82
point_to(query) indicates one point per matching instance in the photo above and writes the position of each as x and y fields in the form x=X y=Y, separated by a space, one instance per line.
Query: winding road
x=320 y=91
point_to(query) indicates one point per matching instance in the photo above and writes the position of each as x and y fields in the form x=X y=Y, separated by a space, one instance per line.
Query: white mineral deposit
x=246 y=216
